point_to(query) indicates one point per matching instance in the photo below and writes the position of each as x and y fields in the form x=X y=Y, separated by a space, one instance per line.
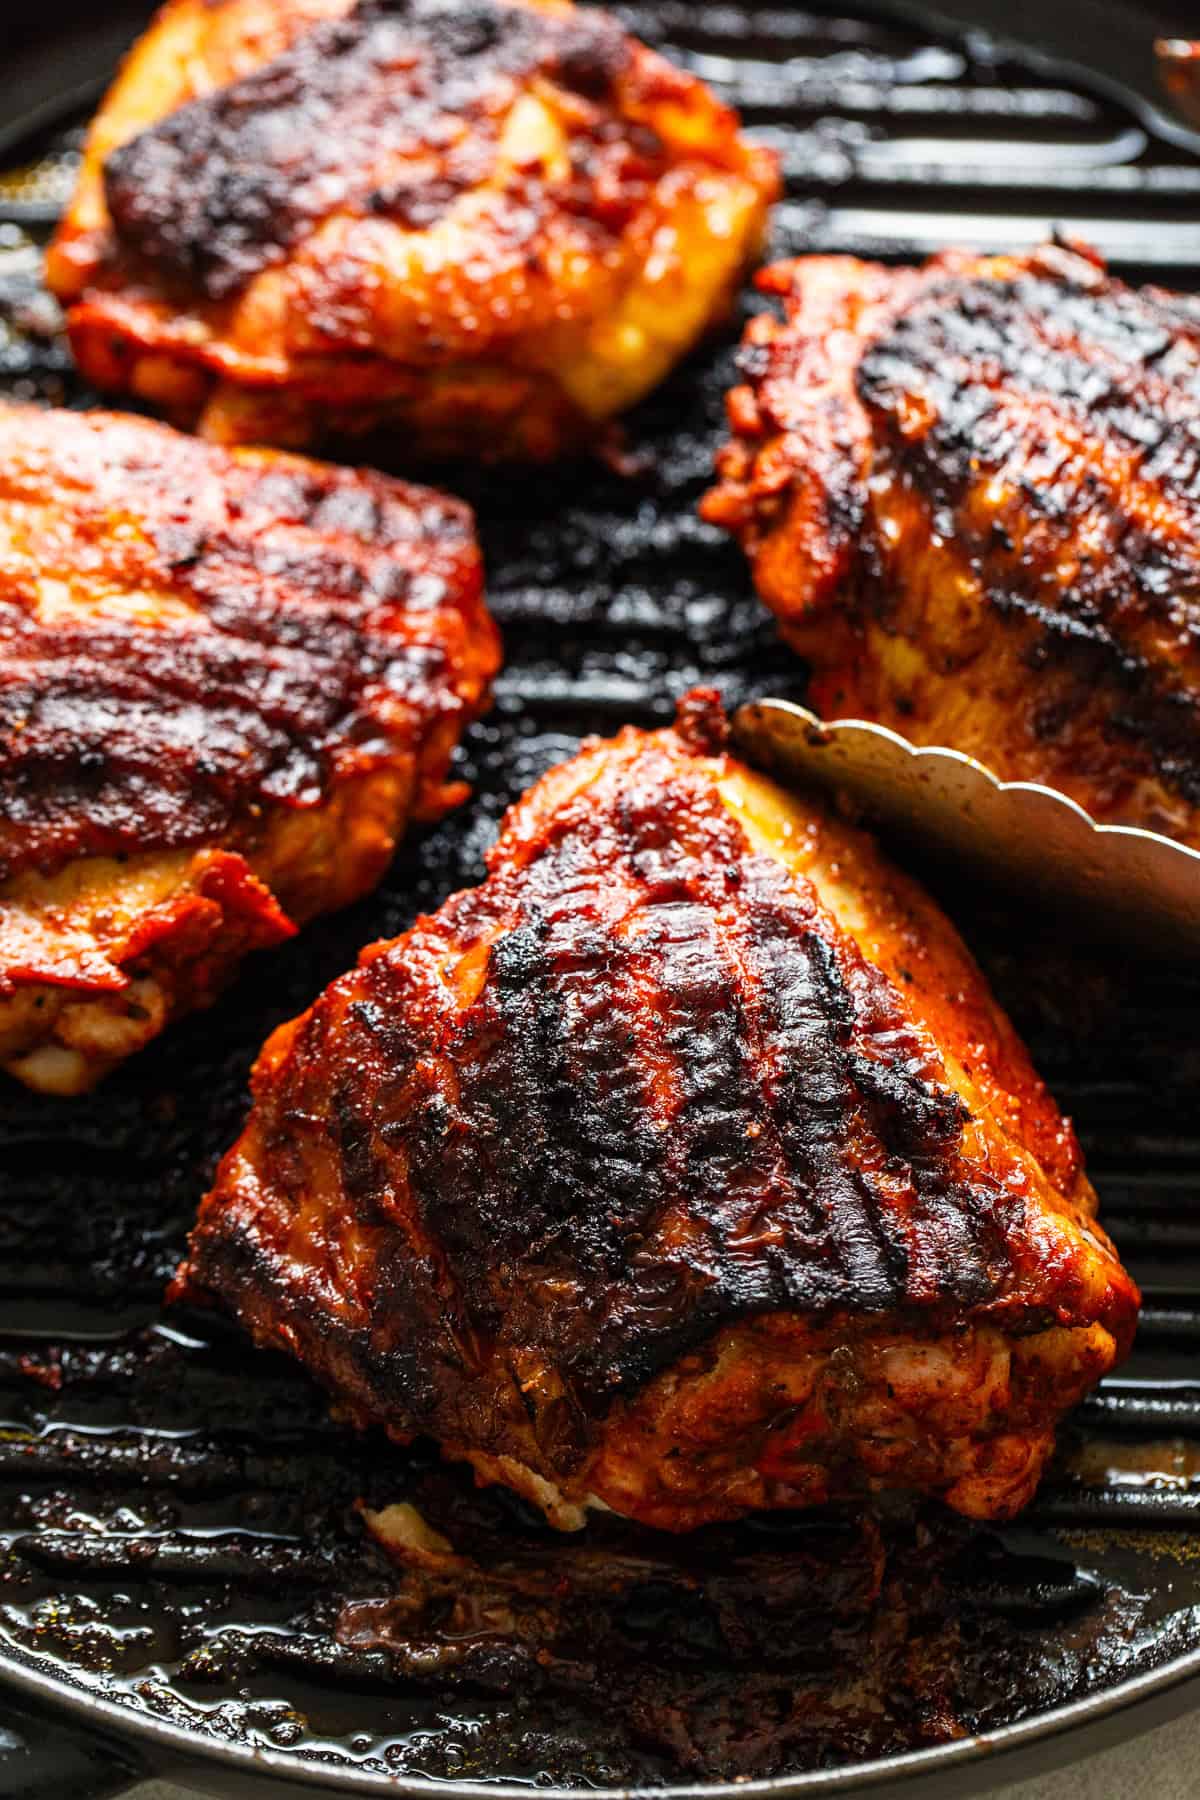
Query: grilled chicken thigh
x=491 y=225
x=971 y=493
x=227 y=681
x=684 y=1167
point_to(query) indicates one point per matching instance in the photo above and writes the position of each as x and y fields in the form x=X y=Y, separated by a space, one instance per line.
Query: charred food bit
x=486 y=226
x=227 y=682
x=971 y=494
x=684 y=1167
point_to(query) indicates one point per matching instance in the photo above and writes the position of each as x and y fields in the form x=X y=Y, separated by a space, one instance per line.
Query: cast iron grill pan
x=178 y=1530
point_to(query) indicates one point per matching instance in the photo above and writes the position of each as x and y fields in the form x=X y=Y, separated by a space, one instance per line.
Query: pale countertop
x=1162 y=1765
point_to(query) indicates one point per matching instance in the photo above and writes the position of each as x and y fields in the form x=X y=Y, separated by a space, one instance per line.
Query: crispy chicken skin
x=971 y=494
x=684 y=1167
x=227 y=681
x=489 y=226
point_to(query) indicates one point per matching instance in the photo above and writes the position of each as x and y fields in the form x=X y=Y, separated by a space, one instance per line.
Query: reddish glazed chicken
x=227 y=683
x=971 y=494
x=481 y=226
x=684 y=1167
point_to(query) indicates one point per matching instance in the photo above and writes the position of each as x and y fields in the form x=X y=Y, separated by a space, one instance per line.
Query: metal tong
x=1018 y=833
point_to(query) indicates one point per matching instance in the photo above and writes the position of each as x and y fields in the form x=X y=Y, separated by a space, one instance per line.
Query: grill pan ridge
x=177 y=1524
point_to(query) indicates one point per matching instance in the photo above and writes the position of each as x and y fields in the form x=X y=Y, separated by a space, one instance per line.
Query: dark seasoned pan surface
x=178 y=1518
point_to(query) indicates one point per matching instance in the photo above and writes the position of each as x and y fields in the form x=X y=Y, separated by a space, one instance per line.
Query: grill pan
x=177 y=1532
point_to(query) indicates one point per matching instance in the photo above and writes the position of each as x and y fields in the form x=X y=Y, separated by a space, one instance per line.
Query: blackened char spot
x=656 y=1131
x=222 y=187
x=543 y=1187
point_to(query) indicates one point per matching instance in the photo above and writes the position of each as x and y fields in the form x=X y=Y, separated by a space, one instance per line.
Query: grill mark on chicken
x=1024 y=423
x=532 y=1072
x=981 y=356
x=553 y=1167
x=720 y=1141
x=295 y=660
x=109 y=743
x=222 y=187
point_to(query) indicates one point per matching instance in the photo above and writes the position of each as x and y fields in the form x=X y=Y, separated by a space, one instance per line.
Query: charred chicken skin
x=684 y=1167
x=971 y=494
x=227 y=681
x=491 y=225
